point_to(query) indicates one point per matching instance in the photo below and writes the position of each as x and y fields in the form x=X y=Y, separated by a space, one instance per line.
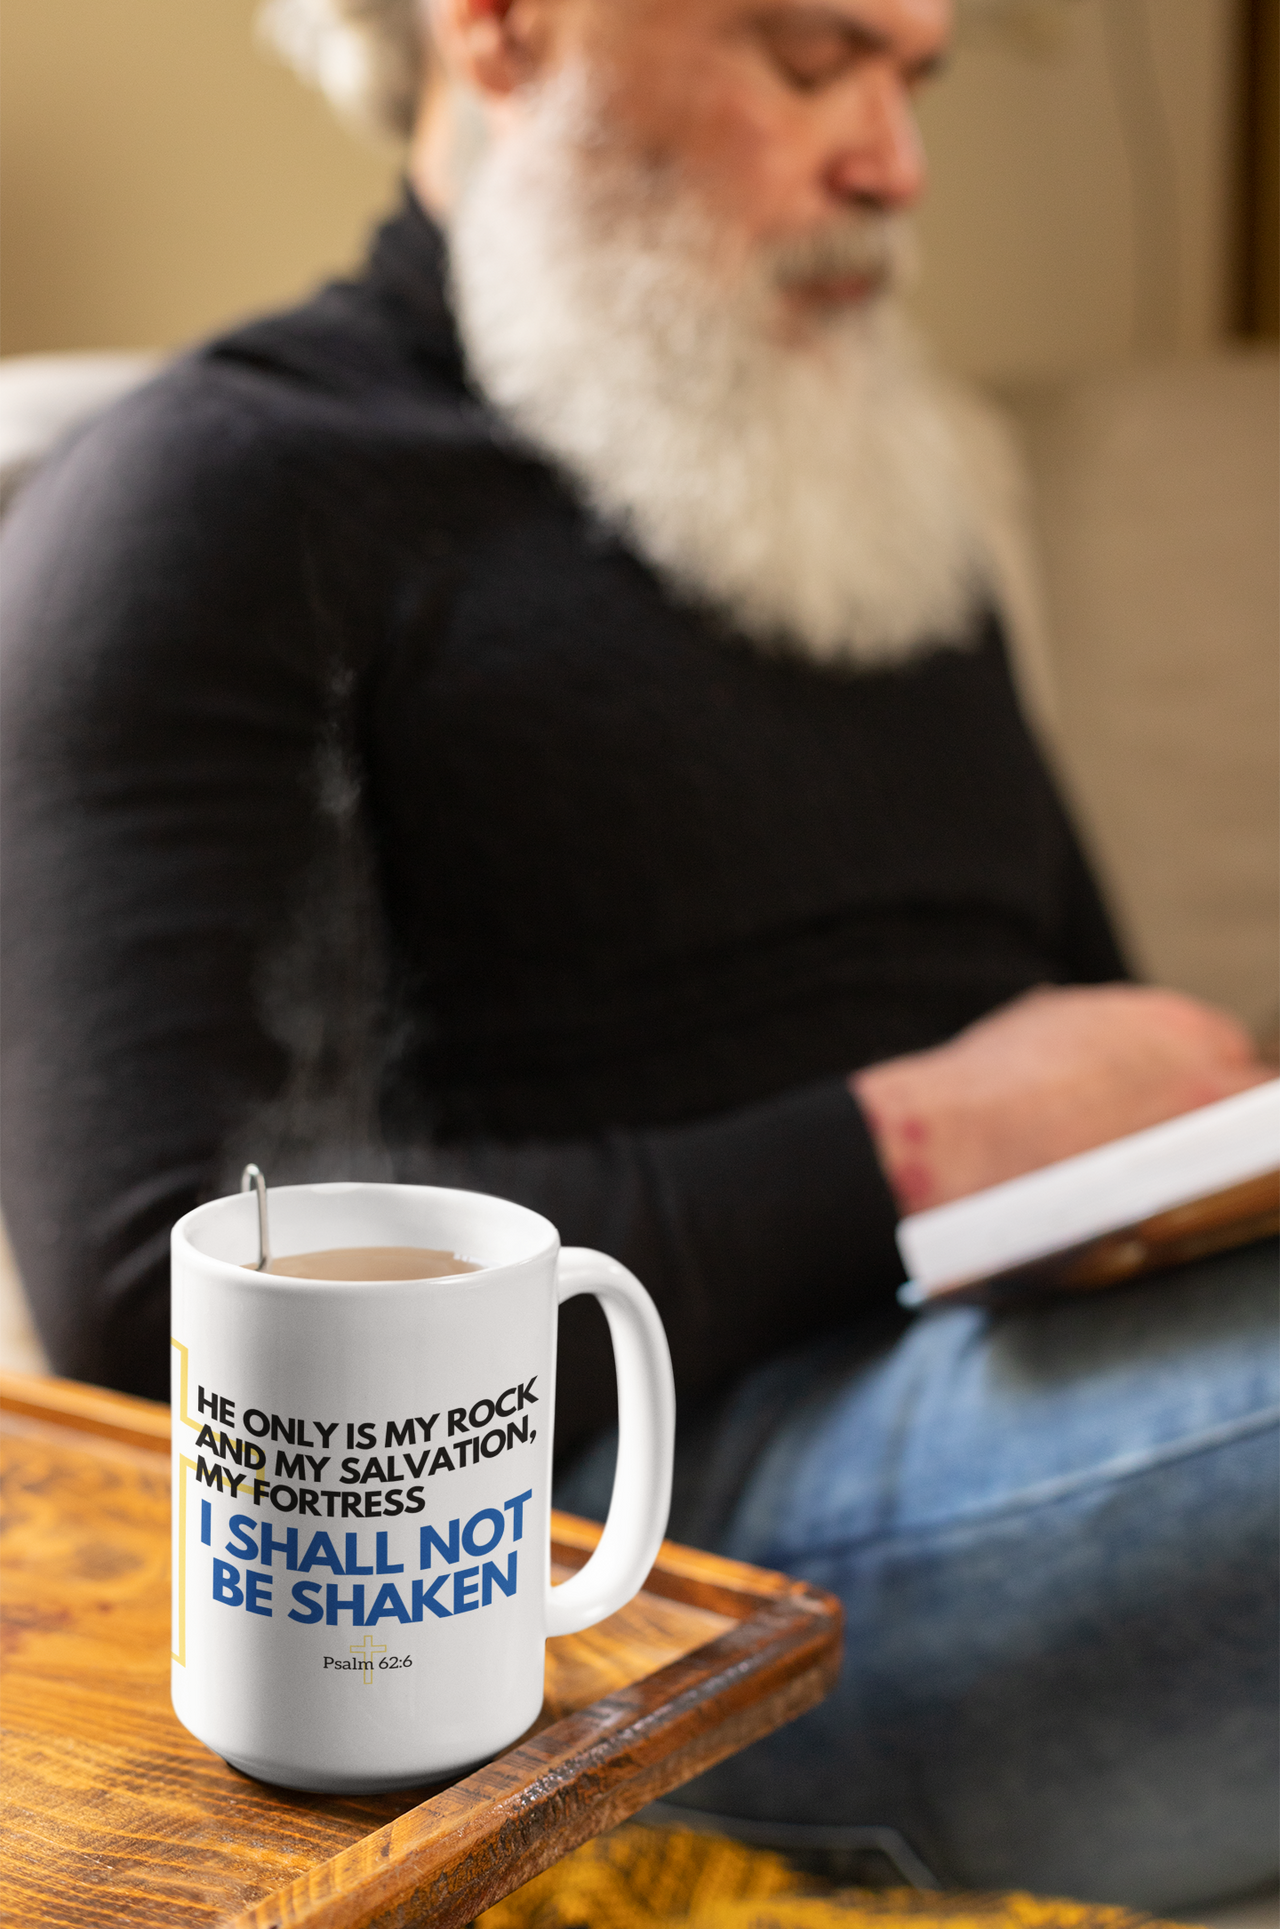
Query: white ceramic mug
x=361 y=1481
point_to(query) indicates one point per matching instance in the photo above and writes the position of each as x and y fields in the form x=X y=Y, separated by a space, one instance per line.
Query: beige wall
x=160 y=175
x=1081 y=206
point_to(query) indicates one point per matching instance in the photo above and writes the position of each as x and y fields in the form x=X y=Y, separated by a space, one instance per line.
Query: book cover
x=1193 y=1185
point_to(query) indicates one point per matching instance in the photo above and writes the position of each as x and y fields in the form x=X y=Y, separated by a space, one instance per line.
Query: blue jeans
x=1054 y=1534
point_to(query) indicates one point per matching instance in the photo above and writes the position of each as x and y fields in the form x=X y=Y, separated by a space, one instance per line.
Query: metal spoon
x=251 y=1180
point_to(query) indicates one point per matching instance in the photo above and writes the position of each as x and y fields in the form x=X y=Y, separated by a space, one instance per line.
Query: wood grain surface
x=115 y=1815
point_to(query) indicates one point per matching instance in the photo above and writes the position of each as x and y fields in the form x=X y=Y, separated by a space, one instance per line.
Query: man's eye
x=809 y=57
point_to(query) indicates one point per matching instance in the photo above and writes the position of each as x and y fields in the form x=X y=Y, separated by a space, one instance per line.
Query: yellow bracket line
x=183 y=1415
x=179 y=1654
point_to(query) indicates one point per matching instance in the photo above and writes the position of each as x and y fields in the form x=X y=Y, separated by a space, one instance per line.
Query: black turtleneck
x=370 y=809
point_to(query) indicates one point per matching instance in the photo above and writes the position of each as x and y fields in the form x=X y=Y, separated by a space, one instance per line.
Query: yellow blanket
x=645 y=1878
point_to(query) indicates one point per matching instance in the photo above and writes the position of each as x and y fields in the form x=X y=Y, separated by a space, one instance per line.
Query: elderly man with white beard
x=533 y=718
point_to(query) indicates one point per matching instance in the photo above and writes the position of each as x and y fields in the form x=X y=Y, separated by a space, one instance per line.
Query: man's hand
x=1053 y=1073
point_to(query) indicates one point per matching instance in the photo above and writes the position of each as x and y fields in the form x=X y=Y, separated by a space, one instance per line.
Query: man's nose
x=881 y=161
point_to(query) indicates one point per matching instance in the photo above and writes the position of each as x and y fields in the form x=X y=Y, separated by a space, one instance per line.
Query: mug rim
x=233 y=1269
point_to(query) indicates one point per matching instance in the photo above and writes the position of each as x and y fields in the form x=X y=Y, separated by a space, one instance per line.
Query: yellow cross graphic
x=366 y=1650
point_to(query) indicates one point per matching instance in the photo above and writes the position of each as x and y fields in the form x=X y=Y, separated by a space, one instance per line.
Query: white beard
x=809 y=488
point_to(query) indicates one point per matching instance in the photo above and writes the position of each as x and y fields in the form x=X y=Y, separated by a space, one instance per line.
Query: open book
x=1194 y=1185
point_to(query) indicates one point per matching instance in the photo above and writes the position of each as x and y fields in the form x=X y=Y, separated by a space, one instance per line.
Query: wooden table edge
x=442 y=1861
x=647 y=1749
x=86 y=1409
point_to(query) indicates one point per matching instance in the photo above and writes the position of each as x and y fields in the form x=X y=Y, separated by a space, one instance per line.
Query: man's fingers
x=1056 y=1071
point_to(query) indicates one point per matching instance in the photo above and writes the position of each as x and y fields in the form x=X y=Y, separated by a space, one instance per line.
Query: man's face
x=781 y=116
x=664 y=266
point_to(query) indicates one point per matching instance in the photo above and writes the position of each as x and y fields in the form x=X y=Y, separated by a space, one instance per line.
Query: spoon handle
x=251 y=1179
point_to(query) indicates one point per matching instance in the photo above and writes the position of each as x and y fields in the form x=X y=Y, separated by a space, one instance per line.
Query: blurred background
x=1104 y=179
x=1100 y=249
x=1100 y=245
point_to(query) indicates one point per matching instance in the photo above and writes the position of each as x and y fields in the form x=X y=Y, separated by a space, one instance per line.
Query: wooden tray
x=114 y=1814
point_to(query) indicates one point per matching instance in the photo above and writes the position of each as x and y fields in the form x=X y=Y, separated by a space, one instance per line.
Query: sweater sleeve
x=754 y=1230
x=162 y=725
x=172 y=774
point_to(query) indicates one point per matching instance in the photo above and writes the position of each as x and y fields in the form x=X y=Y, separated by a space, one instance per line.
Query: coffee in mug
x=361 y=1478
x=371 y=1262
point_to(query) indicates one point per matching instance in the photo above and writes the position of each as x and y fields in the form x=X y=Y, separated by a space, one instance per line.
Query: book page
x=1096 y=1192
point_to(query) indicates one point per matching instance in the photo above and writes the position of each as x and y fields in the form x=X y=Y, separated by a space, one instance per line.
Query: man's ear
x=493 y=45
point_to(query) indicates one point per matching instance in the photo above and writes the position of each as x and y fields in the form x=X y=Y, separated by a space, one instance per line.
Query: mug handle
x=641 y=1498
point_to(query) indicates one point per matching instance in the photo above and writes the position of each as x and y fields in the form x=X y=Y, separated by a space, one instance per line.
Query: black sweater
x=372 y=810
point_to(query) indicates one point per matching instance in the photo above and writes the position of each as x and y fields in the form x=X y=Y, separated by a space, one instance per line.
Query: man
x=532 y=719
